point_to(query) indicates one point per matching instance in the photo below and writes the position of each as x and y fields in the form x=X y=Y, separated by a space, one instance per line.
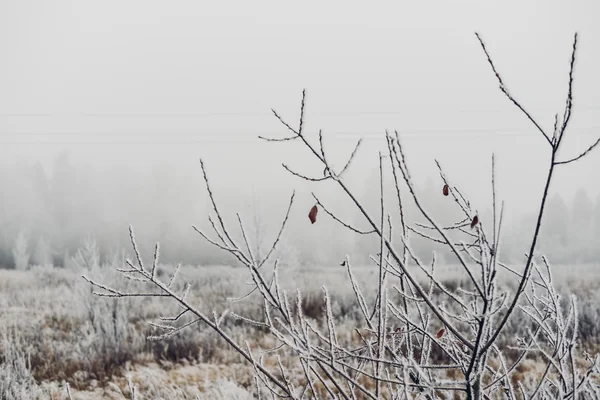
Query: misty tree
x=43 y=253
x=20 y=252
x=41 y=192
x=62 y=194
x=258 y=227
x=582 y=210
x=87 y=257
x=555 y=237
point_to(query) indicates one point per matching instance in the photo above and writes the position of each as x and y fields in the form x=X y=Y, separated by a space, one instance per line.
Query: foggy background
x=106 y=107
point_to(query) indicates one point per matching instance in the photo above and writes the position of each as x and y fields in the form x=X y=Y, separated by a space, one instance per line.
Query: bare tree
x=420 y=335
x=87 y=257
x=20 y=252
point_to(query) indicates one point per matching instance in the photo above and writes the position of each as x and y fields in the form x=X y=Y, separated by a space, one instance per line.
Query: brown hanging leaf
x=312 y=215
x=445 y=190
x=474 y=222
x=440 y=333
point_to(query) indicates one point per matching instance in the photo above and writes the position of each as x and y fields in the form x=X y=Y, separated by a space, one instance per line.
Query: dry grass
x=54 y=330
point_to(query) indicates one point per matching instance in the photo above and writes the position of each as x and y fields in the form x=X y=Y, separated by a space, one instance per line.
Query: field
x=55 y=331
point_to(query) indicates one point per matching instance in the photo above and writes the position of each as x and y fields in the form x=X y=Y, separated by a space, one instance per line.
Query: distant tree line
x=47 y=218
x=571 y=231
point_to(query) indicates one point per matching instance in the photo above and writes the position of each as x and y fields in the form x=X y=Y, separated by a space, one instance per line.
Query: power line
x=245 y=140
x=585 y=108
x=278 y=134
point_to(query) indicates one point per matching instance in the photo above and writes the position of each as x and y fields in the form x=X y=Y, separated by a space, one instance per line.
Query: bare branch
x=339 y=220
x=504 y=90
x=579 y=156
x=304 y=176
x=283 y=224
x=212 y=199
x=569 y=101
x=352 y=156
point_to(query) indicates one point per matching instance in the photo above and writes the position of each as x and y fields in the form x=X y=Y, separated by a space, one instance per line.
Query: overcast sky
x=135 y=83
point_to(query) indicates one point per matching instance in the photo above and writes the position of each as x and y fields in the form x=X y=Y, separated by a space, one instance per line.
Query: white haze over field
x=148 y=87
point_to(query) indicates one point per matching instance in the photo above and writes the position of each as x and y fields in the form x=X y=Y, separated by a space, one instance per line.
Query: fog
x=106 y=108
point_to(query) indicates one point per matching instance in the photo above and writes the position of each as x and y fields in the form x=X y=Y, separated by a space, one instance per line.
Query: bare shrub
x=111 y=340
x=87 y=256
x=418 y=333
x=16 y=380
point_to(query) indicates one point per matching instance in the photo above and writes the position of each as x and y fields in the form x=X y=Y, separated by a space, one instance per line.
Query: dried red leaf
x=440 y=333
x=312 y=215
x=445 y=190
x=474 y=222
